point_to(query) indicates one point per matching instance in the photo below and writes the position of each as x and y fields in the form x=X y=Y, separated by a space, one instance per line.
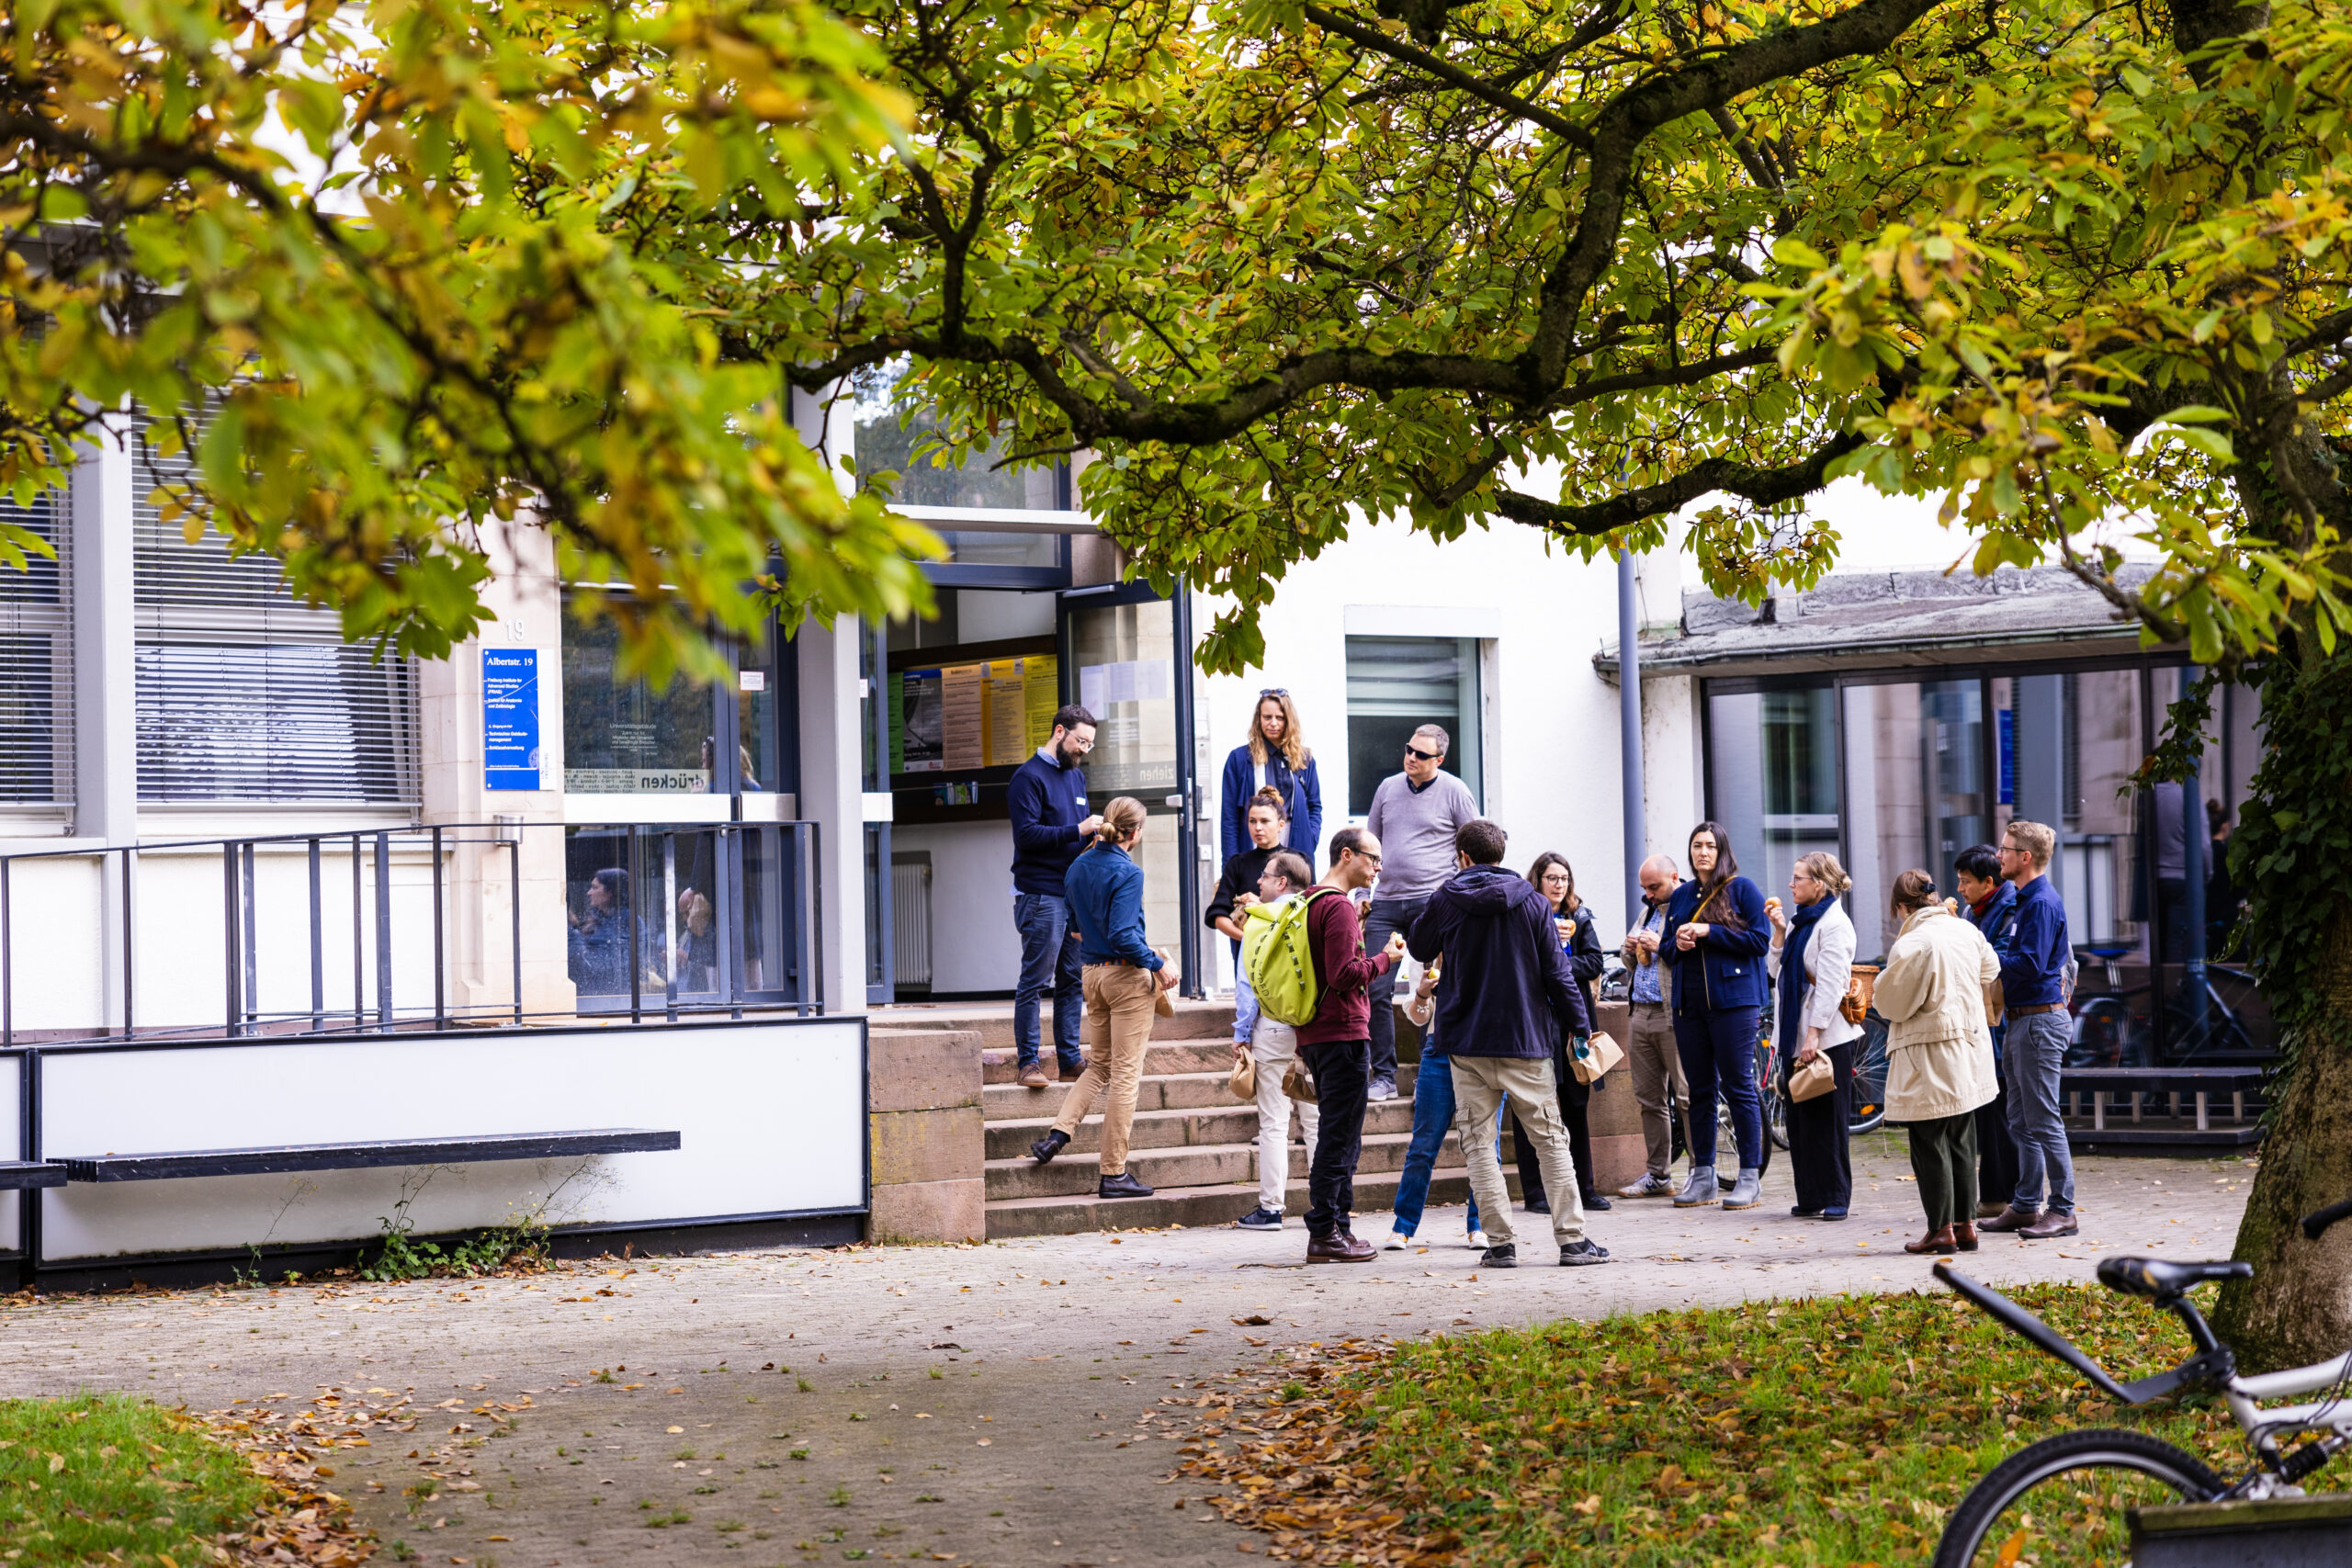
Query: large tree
x=2080 y=270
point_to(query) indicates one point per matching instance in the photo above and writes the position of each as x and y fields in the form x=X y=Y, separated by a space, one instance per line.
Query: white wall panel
x=772 y=1118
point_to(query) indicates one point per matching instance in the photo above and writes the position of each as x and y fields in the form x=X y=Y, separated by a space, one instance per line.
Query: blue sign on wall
x=510 y=717
x=2008 y=733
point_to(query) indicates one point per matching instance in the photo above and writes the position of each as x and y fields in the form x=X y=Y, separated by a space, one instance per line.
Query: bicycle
x=2074 y=1492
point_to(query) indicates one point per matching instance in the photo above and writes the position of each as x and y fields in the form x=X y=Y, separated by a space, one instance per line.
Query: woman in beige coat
x=1938 y=1054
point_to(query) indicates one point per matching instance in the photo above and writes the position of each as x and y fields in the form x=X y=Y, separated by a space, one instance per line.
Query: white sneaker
x=1397 y=1242
x=1478 y=1242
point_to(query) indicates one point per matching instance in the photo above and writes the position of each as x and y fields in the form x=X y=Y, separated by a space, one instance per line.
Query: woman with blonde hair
x=1938 y=1054
x=1275 y=757
x=1811 y=960
x=1123 y=978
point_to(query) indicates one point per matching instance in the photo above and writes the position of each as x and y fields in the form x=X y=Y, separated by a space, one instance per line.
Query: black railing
x=742 y=929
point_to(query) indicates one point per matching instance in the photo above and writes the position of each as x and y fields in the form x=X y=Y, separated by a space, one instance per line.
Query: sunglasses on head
x=1418 y=755
x=1275 y=692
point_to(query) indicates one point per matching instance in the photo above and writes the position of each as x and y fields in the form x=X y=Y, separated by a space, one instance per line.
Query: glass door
x=1126 y=659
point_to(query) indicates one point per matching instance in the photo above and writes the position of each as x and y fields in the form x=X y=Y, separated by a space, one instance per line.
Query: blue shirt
x=1046 y=802
x=1104 y=890
x=2033 y=970
x=1649 y=986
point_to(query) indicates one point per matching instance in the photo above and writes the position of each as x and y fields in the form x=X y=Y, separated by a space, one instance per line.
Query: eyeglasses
x=1421 y=756
x=1274 y=691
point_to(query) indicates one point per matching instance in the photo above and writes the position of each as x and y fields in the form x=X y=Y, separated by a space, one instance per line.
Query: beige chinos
x=1479 y=1085
x=1274 y=1045
x=1118 y=1032
x=1659 y=1087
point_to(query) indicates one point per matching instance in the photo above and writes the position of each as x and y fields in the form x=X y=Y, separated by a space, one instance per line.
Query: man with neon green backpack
x=1309 y=970
x=1267 y=925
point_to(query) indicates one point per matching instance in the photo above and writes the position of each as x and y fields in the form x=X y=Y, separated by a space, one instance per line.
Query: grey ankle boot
x=1747 y=1191
x=1700 y=1190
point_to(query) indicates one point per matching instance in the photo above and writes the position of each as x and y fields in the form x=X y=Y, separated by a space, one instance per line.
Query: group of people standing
x=1500 y=968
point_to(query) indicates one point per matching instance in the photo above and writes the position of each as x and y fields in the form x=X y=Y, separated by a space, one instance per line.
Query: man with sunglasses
x=1415 y=815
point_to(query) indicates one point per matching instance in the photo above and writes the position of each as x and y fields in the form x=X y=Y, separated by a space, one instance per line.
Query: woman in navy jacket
x=1275 y=757
x=1715 y=937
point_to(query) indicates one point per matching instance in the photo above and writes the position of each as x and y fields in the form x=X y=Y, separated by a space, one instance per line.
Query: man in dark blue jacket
x=2034 y=1039
x=1507 y=995
x=1989 y=902
x=1050 y=825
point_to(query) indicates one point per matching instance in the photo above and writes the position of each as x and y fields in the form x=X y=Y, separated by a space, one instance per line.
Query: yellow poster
x=963 y=728
x=1003 y=715
x=1041 y=694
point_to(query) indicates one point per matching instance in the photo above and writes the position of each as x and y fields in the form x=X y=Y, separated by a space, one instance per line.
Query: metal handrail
x=244 y=1015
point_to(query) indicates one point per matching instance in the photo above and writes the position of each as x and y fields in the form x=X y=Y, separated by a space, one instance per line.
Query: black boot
x=1046 y=1148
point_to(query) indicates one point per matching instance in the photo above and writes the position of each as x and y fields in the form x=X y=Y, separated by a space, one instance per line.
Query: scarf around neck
x=1793 y=981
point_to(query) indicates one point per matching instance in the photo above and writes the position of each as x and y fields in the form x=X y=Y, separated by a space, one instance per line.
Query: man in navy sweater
x=2033 y=991
x=1050 y=825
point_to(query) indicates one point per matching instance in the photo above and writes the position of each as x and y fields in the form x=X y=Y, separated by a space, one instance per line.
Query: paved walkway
x=1001 y=1404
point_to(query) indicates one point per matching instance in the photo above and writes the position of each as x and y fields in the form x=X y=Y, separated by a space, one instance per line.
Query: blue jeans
x=1433 y=1118
x=1244 y=1002
x=1722 y=1046
x=2036 y=1048
x=1049 y=959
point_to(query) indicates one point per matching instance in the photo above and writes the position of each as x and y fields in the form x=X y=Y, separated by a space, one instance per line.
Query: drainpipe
x=1629 y=733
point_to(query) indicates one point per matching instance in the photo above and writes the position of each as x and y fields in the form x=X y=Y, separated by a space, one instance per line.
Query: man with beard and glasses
x=1050 y=825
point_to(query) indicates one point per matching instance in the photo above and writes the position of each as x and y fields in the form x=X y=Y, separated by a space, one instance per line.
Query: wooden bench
x=273 y=1159
x=2200 y=1087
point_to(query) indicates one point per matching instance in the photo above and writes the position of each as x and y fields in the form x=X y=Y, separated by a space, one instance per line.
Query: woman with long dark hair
x=1715 y=941
x=1581 y=941
x=1275 y=757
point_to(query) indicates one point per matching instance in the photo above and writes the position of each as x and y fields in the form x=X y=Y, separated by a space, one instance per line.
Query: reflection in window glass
x=1772 y=780
x=1396 y=684
x=622 y=737
x=1914 y=764
x=896 y=432
x=2213 y=1013
x=689 y=895
x=1127 y=674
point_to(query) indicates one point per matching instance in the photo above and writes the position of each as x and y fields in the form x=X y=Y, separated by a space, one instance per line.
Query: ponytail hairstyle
x=1914 y=891
x=1121 y=820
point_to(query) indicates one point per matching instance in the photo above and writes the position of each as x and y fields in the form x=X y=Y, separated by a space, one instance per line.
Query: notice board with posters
x=960 y=725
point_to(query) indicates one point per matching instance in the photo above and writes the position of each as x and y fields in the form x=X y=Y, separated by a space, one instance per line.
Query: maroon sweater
x=1343 y=1007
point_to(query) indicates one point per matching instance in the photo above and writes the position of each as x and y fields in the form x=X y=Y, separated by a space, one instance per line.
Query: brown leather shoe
x=1963 y=1235
x=2053 y=1222
x=1936 y=1242
x=2012 y=1218
x=1032 y=1077
x=1339 y=1247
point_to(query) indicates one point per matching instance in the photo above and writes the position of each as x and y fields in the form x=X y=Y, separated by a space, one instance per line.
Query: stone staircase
x=1191 y=1141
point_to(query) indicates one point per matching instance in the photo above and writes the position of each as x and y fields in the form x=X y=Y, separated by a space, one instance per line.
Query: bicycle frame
x=2214 y=1367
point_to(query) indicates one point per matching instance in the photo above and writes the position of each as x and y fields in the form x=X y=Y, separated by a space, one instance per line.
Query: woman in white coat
x=1810 y=960
x=1938 y=1054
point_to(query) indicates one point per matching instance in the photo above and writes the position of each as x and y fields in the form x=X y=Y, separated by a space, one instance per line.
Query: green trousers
x=1943 y=1156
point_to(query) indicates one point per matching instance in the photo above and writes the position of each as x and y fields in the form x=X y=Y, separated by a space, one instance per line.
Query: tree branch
x=1452 y=75
x=1764 y=487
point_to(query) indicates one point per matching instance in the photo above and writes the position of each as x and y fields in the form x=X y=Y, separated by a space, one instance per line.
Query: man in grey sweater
x=1415 y=816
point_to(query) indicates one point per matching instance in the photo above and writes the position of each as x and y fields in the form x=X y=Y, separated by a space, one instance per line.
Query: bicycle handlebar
x=2315 y=1226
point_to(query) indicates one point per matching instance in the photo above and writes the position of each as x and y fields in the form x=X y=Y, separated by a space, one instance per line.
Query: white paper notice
x=1090 y=686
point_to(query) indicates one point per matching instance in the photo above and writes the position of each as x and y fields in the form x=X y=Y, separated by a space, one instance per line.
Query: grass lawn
x=108 y=1478
x=1839 y=1431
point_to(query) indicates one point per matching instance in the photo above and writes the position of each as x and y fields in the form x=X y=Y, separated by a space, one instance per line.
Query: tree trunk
x=2298 y=1307
x=2297 y=834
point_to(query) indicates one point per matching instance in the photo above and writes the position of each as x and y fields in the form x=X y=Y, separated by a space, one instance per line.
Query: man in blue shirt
x=1659 y=1086
x=1047 y=800
x=2033 y=993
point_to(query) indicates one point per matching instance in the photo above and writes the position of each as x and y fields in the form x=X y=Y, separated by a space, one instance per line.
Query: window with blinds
x=246 y=694
x=37 y=663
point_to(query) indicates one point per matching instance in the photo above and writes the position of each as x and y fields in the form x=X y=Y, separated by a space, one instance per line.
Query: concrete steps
x=1192 y=1142
x=1169 y=1128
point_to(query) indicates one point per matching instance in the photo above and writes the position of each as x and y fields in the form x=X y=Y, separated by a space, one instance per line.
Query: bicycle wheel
x=1870 y=1078
x=2065 y=1500
x=1767 y=1090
